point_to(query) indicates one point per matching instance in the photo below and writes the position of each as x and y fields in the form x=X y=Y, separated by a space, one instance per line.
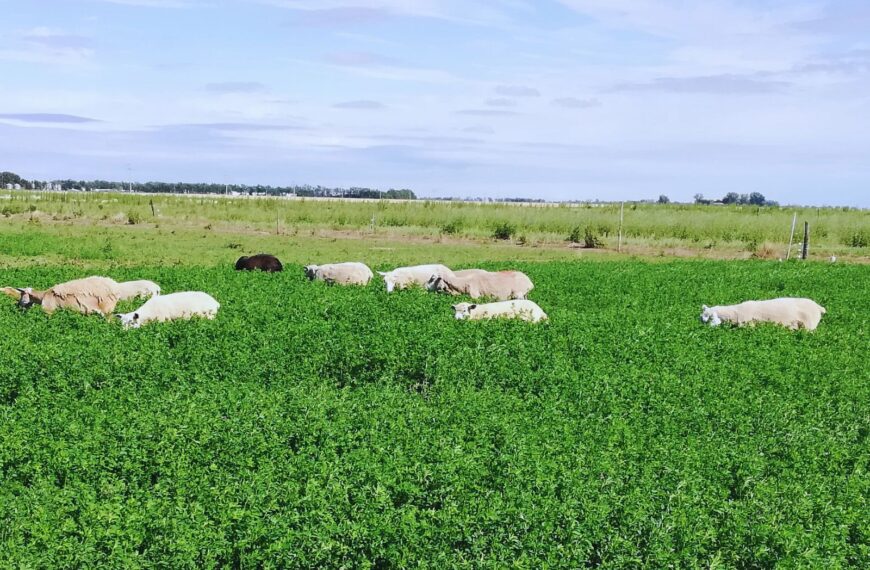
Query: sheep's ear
x=119 y=316
x=135 y=316
x=704 y=307
x=20 y=290
x=472 y=307
x=383 y=273
x=453 y=307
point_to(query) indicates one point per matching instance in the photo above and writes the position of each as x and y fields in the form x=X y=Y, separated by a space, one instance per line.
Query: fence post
x=806 y=240
x=791 y=237
x=619 y=239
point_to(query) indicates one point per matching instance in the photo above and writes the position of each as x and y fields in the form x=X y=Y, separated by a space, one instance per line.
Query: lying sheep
x=414 y=276
x=476 y=283
x=517 y=309
x=790 y=312
x=261 y=261
x=170 y=307
x=88 y=295
x=348 y=273
x=128 y=290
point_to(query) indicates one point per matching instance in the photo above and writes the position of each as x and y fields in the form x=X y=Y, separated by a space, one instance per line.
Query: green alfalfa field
x=311 y=426
x=314 y=426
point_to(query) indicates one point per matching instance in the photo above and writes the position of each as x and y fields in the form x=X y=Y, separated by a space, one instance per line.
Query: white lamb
x=414 y=276
x=347 y=273
x=516 y=309
x=791 y=312
x=128 y=290
x=173 y=306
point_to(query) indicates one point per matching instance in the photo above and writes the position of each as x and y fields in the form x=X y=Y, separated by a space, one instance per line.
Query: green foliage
x=311 y=426
x=591 y=239
x=859 y=238
x=504 y=231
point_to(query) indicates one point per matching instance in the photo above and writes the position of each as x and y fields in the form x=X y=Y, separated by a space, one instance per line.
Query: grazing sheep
x=170 y=307
x=88 y=295
x=405 y=277
x=348 y=273
x=790 y=312
x=476 y=283
x=518 y=309
x=261 y=261
x=128 y=290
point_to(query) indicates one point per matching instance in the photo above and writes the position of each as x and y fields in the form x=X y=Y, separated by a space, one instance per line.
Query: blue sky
x=554 y=99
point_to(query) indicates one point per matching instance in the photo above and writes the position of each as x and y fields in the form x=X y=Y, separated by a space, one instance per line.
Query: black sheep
x=262 y=261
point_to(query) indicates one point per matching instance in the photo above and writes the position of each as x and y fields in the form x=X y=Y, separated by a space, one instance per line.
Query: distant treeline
x=203 y=188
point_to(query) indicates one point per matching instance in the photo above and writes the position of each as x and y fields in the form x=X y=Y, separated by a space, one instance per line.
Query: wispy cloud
x=48 y=46
x=726 y=84
x=359 y=104
x=54 y=118
x=229 y=87
x=339 y=17
x=500 y=102
x=575 y=103
x=517 y=91
x=486 y=112
x=359 y=59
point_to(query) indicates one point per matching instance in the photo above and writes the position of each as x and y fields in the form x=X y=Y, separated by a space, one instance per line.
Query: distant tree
x=757 y=199
x=699 y=199
x=664 y=199
x=731 y=198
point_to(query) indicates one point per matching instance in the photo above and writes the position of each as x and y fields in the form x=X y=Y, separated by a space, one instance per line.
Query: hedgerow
x=311 y=426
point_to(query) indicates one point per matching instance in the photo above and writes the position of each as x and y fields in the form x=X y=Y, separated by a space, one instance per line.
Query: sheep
x=262 y=261
x=502 y=285
x=348 y=273
x=405 y=277
x=517 y=309
x=182 y=305
x=790 y=312
x=128 y=290
x=88 y=295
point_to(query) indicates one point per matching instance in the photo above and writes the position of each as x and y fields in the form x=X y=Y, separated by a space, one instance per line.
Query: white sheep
x=128 y=290
x=791 y=312
x=413 y=276
x=347 y=273
x=517 y=309
x=182 y=305
x=89 y=295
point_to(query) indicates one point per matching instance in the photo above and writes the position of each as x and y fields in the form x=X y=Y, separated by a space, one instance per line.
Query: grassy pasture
x=311 y=426
x=717 y=231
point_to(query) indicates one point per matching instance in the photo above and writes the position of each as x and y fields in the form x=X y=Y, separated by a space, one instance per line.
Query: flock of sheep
x=509 y=288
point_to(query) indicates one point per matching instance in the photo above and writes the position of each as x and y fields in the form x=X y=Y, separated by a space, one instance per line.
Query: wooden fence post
x=621 y=214
x=806 y=240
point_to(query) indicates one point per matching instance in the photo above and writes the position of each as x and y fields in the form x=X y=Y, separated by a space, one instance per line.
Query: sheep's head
x=436 y=283
x=129 y=320
x=389 y=280
x=463 y=310
x=311 y=271
x=709 y=316
x=27 y=298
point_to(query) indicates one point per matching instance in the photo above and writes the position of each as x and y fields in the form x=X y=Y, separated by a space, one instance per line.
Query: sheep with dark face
x=88 y=295
x=261 y=261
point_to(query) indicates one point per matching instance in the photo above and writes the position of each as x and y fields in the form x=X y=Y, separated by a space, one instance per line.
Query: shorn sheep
x=347 y=273
x=88 y=295
x=517 y=309
x=128 y=290
x=791 y=312
x=414 y=276
x=173 y=306
x=501 y=285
